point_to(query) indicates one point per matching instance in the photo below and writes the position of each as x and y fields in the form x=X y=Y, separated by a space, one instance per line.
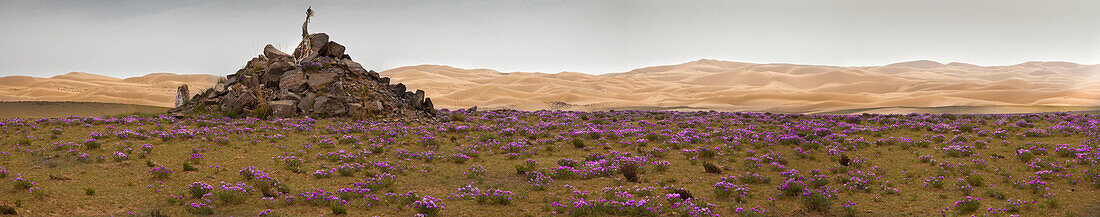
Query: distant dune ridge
x=734 y=86
x=157 y=89
x=697 y=85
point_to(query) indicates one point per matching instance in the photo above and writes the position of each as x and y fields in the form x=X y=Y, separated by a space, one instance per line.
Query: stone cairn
x=319 y=79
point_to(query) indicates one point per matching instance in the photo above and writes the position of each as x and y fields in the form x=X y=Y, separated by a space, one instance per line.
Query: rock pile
x=321 y=80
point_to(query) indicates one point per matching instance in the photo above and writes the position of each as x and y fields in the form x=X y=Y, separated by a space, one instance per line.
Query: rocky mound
x=319 y=79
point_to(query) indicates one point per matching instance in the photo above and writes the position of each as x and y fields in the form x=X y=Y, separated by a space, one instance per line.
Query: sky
x=133 y=38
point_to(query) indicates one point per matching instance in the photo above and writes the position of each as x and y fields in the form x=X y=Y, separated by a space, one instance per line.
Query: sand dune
x=916 y=86
x=733 y=86
x=158 y=89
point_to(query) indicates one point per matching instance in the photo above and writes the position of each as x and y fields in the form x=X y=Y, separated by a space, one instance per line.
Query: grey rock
x=182 y=95
x=275 y=72
x=232 y=79
x=317 y=81
x=355 y=109
x=219 y=88
x=428 y=105
x=255 y=64
x=287 y=95
x=384 y=80
x=274 y=54
x=238 y=100
x=252 y=81
x=317 y=41
x=374 y=75
x=306 y=105
x=283 y=108
x=350 y=64
x=337 y=89
x=418 y=99
x=293 y=80
x=374 y=106
x=329 y=106
x=399 y=89
x=332 y=49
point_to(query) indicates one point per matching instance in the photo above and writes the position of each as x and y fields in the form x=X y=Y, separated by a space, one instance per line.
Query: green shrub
x=817 y=202
x=338 y=209
x=188 y=167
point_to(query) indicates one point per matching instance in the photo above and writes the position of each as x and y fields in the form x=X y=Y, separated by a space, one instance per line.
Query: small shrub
x=975 y=179
x=91 y=144
x=753 y=178
x=630 y=171
x=817 y=202
x=198 y=189
x=578 y=143
x=160 y=172
x=89 y=191
x=526 y=166
x=1051 y=203
x=967 y=205
x=429 y=206
x=475 y=171
x=711 y=168
x=338 y=208
x=188 y=167
x=7 y=210
x=200 y=209
x=19 y=183
x=233 y=193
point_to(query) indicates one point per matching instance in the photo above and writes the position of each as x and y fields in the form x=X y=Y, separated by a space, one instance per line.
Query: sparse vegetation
x=594 y=164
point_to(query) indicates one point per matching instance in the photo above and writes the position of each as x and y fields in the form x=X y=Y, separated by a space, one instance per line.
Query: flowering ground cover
x=545 y=163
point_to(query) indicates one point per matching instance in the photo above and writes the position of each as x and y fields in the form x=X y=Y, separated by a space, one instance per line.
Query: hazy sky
x=129 y=38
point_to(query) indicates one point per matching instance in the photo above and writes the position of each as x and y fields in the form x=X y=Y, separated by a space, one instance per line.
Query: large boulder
x=182 y=95
x=374 y=106
x=238 y=100
x=316 y=42
x=274 y=73
x=332 y=49
x=219 y=88
x=255 y=65
x=428 y=106
x=287 y=95
x=274 y=54
x=306 y=105
x=293 y=80
x=418 y=99
x=328 y=106
x=283 y=108
x=252 y=81
x=319 y=80
x=399 y=89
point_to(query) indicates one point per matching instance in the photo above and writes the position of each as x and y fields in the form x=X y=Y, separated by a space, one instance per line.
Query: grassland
x=512 y=163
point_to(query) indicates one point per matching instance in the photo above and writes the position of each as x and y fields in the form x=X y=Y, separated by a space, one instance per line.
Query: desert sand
x=28 y=110
x=157 y=89
x=917 y=86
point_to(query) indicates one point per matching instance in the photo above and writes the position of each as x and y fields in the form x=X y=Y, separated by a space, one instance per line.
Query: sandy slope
x=66 y=109
x=721 y=85
x=158 y=89
x=917 y=86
